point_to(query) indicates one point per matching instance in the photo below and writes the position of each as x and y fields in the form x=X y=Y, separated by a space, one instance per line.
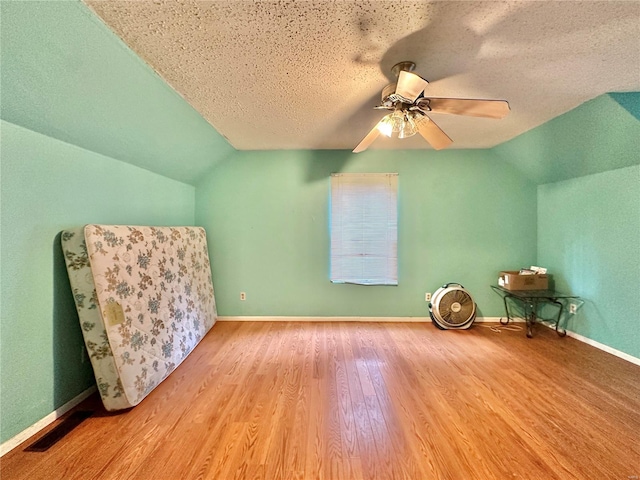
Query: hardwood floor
x=365 y=401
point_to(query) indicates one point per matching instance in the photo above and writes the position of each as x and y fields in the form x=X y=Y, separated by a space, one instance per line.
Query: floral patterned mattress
x=144 y=298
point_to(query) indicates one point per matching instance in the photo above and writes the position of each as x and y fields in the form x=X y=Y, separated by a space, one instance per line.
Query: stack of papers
x=533 y=270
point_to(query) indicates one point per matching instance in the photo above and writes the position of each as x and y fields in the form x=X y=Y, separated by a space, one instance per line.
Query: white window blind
x=364 y=228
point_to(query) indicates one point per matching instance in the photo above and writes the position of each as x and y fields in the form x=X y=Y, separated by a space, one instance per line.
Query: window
x=364 y=228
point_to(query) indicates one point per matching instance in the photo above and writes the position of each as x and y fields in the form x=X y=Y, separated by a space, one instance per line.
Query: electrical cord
x=500 y=328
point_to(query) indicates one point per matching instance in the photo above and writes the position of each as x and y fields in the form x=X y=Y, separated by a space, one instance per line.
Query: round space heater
x=452 y=307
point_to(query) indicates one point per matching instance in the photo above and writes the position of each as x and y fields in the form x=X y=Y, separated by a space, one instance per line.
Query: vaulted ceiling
x=307 y=74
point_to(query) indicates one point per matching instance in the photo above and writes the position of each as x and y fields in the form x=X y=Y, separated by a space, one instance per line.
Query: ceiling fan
x=409 y=107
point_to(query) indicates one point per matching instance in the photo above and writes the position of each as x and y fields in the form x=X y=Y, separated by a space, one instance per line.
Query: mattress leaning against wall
x=145 y=299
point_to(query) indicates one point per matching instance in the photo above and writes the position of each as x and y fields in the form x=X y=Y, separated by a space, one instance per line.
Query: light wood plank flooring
x=365 y=401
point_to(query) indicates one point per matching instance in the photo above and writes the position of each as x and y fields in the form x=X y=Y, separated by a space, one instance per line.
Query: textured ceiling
x=306 y=74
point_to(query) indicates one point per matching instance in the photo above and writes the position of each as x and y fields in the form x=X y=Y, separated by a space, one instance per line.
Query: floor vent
x=59 y=432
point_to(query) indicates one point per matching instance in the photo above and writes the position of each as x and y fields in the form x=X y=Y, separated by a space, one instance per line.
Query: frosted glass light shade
x=399 y=122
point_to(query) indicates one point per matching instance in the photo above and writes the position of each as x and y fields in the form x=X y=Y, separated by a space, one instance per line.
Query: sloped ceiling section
x=629 y=101
x=600 y=135
x=306 y=74
x=67 y=76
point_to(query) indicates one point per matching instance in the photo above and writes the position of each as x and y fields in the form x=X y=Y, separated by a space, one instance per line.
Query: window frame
x=363 y=228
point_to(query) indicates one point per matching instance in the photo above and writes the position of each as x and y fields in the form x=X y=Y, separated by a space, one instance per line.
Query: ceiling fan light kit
x=410 y=106
x=401 y=122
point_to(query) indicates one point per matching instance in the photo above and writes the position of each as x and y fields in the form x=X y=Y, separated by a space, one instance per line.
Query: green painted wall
x=463 y=216
x=47 y=186
x=597 y=136
x=66 y=75
x=630 y=101
x=589 y=236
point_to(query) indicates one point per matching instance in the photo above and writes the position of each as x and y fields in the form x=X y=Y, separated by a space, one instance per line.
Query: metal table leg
x=563 y=331
x=506 y=309
x=530 y=317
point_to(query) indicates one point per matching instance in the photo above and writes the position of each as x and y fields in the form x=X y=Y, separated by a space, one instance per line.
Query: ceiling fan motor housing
x=452 y=307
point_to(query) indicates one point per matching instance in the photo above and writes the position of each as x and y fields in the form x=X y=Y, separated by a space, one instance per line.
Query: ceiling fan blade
x=471 y=107
x=368 y=140
x=433 y=134
x=410 y=85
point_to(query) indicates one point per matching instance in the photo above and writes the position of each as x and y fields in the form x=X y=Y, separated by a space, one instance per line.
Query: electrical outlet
x=427 y=297
x=573 y=308
x=243 y=296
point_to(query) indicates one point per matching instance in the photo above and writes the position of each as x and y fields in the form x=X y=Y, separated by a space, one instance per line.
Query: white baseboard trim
x=344 y=319
x=497 y=320
x=605 y=348
x=40 y=424
x=294 y=318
